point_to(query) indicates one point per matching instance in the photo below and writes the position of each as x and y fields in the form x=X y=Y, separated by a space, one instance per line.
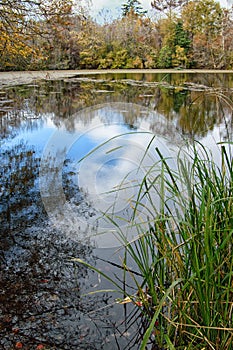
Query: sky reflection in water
x=43 y=138
x=114 y=161
x=117 y=164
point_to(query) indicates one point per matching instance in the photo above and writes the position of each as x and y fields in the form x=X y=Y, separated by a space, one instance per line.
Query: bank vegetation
x=38 y=35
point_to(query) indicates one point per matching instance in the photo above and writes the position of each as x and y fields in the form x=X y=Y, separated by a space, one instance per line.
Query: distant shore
x=28 y=77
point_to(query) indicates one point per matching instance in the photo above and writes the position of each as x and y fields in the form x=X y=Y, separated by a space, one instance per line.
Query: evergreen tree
x=182 y=38
x=134 y=7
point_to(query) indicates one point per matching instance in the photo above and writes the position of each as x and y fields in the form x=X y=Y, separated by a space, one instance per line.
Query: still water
x=72 y=151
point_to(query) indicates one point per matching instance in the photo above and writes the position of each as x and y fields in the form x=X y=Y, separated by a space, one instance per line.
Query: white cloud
x=105 y=4
x=146 y=4
x=114 y=6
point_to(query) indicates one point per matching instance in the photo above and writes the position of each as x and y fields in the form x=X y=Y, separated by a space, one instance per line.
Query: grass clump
x=183 y=252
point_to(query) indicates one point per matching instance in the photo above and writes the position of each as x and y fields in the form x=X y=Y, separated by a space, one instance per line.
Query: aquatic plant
x=182 y=253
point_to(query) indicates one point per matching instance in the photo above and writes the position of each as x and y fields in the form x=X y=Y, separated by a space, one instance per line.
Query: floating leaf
x=125 y=301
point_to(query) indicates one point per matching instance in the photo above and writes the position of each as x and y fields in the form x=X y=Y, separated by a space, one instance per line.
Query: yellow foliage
x=137 y=62
x=179 y=58
x=15 y=51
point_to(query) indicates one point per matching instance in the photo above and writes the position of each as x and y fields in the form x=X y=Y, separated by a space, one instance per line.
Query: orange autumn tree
x=24 y=25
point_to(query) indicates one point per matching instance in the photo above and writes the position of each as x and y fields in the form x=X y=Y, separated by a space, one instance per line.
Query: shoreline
x=28 y=77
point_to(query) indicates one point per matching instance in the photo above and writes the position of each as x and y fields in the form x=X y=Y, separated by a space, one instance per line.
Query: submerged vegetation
x=183 y=252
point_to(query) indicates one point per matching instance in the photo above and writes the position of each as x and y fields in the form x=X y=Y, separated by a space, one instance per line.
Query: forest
x=61 y=34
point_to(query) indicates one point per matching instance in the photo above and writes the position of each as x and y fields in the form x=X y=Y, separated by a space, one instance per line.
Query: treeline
x=59 y=35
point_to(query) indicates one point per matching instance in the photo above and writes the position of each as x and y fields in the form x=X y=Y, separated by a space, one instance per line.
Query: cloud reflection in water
x=115 y=158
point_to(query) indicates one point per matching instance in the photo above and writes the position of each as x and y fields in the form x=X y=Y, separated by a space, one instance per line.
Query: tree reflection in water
x=42 y=291
x=196 y=103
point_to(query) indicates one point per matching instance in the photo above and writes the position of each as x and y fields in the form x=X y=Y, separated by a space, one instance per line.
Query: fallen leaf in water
x=7 y=319
x=15 y=330
x=40 y=347
x=19 y=345
x=125 y=301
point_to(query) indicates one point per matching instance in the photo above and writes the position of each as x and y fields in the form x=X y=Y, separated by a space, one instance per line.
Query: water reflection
x=45 y=129
x=19 y=197
x=195 y=102
x=110 y=176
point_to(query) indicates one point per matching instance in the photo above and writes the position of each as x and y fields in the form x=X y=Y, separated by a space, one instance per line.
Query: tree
x=18 y=14
x=182 y=44
x=202 y=16
x=182 y=36
x=203 y=19
x=167 y=6
x=226 y=40
x=22 y=22
x=132 y=7
x=176 y=44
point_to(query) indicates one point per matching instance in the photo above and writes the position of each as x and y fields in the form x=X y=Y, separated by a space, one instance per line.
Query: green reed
x=183 y=251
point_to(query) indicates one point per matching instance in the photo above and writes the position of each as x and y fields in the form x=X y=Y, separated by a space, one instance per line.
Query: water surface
x=51 y=204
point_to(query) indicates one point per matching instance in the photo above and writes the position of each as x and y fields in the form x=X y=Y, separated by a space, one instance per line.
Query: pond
x=72 y=150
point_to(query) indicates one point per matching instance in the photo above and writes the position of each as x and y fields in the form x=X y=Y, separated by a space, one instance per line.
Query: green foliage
x=182 y=37
x=176 y=49
x=165 y=57
x=183 y=251
x=120 y=59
